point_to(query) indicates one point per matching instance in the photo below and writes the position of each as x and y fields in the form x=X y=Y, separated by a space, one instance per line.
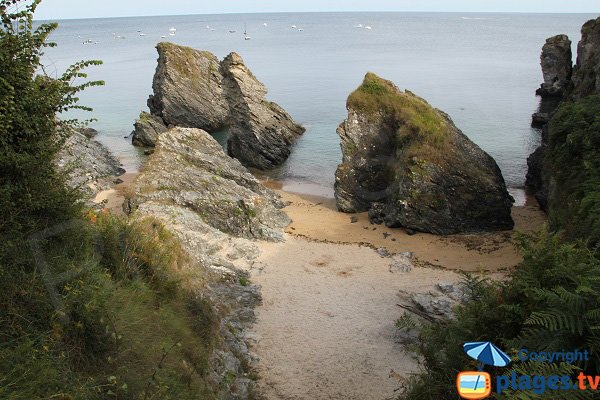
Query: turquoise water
x=481 y=69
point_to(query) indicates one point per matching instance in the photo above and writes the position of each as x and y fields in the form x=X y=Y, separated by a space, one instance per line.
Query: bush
x=118 y=323
x=551 y=303
x=573 y=168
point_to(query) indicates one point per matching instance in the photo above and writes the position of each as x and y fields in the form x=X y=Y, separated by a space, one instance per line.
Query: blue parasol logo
x=487 y=354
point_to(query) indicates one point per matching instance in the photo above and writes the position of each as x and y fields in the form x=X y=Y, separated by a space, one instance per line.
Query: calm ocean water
x=482 y=69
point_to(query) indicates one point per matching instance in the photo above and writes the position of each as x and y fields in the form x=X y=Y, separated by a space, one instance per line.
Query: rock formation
x=190 y=171
x=147 y=129
x=584 y=81
x=216 y=208
x=586 y=74
x=557 y=66
x=261 y=132
x=193 y=89
x=408 y=165
x=188 y=89
x=89 y=164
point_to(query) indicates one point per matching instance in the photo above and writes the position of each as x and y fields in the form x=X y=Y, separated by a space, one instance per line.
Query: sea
x=481 y=69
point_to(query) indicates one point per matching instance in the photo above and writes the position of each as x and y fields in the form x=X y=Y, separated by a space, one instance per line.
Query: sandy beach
x=326 y=326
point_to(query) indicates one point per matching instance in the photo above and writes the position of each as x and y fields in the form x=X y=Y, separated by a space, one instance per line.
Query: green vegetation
x=422 y=122
x=95 y=308
x=573 y=160
x=552 y=300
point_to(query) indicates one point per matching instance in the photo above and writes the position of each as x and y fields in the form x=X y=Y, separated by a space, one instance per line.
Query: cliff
x=408 y=165
x=584 y=82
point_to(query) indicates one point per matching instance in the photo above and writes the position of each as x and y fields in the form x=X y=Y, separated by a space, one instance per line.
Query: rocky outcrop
x=557 y=66
x=147 y=129
x=189 y=170
x=217 y=210
x=261 y=132
x=193 y=89
x=586 y=75
x=408 y=165
x=188 y=89
x=89 y=165
x=584 y=81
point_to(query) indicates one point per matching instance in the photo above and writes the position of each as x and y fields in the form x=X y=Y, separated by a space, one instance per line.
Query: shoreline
x=315 y=218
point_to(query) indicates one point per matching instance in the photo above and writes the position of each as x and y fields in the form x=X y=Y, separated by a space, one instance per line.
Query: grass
x=419 y=120
x=136 y=328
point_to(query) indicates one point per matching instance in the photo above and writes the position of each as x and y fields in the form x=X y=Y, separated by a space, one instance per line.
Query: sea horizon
x=482 y=71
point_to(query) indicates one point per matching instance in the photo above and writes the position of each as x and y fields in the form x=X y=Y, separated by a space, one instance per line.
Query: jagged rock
x=89 y=164
x=261 y=131
x=147 y=129
x=408 y=165
x=539 y=119
x=189 y=170
x=586 y=74
x=188 y=89
x=557 y=66
x=535 y=180
x=193 y=89
x=584 y=81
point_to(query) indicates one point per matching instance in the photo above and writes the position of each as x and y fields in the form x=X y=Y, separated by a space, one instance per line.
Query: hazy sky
x=59 y=9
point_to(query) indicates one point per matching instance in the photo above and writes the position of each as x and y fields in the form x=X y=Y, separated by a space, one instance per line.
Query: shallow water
x=481 y=69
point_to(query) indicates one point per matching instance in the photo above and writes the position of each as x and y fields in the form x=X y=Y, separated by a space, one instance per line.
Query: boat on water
x=368 y=27
x=246 y=37
x=294 y=26
x=172 y=31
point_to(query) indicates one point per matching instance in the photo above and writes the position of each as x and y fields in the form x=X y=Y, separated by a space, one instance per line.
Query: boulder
x=189 y=171
x=147 y=129
x=586 y=74
x=193 y=89
x=261 y=132
x=409 y=165
x=557 y=66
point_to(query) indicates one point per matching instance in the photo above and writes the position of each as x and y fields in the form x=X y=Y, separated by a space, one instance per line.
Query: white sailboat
x=246 y=37
x=172 y=31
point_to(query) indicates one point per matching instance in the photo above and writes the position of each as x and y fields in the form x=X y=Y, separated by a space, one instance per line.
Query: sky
x=66 y=9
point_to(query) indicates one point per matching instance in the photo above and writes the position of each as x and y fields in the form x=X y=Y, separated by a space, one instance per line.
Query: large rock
x=193 y=89
x=557 y=66
x=190 y=171
x=147 y=129
x=261 y=131
x=584 y=81
x=89 y=165
x=188 y=89
x=408 y=165
x=586 y=75
x=217 y=210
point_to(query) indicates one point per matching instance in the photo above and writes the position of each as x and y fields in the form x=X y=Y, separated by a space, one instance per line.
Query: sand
x=326 y=326
x=326 y=329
